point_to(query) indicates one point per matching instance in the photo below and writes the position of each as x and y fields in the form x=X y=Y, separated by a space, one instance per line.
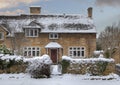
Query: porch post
x=47 y=50
x=57 y=55
x=62 y=51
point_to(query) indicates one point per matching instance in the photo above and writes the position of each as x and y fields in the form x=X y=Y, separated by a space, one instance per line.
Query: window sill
x=53 y=38
x=31 y=36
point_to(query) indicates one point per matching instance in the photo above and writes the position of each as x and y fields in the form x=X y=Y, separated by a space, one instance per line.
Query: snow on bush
x=39 y=67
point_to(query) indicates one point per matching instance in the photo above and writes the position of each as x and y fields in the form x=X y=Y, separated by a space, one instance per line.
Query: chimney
x=90 y=12
x=35 y=10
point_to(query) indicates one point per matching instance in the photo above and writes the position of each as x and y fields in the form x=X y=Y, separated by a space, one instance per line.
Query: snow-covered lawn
x=66 y=79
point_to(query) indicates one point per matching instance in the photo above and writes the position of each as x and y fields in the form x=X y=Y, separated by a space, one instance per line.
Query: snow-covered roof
x=50 y=23
x=53 y=45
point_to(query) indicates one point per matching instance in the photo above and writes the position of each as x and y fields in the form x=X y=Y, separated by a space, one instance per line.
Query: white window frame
x=52 y=35
x=2 y=37
x=28 y=32
x=30 y=50
x=78 y=50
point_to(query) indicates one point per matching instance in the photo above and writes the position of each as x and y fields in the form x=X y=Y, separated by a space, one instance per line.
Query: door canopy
x=53 y=45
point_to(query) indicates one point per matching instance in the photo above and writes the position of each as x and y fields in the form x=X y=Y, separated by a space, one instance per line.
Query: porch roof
x=53 y=45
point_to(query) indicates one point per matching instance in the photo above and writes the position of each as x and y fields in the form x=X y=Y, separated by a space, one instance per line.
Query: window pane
x=29 y=53
x=37 y=53
x=27 y=32
x=31 y=32
x=74 y=53
x=25 y=53
x=78 y=48
x=33 y=53
x=38 y=49
x=55 y=36
x=29 y=48
x=70 y=52
x=36 y=32
x=33 y=48
x=51 y=35
x=82 y=53
x=78 y=53
x=82 y=48
x=70 y=48
x=74 y=48
x=25 y=48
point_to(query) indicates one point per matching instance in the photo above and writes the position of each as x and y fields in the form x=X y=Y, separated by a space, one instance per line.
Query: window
x=31 y=51
x=76 y=51
x=31 y=32
x=1 y=36
x=53 y=36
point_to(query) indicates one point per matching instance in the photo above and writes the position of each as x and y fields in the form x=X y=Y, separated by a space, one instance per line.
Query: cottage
x=35 y=34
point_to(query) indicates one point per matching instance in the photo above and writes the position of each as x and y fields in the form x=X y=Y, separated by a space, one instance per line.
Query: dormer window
x=31 y=32
x=1 y=35
x=53 y=36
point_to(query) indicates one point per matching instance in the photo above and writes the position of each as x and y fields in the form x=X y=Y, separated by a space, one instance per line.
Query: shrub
x=41 y=71
x=40 y=67
x=97 y=68
x=102 y=65
x=4 y=50
x=65 y=65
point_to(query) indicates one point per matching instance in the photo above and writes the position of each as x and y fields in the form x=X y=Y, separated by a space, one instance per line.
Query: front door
x=54 y=55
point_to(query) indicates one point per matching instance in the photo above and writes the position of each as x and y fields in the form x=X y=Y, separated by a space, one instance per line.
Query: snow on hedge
x=43 y=59
x=118 y=65
x=87 y=60
x=98 y=52
x=11 y=57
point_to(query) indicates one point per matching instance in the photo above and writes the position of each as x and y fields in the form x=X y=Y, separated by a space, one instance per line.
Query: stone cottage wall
x=65 y=40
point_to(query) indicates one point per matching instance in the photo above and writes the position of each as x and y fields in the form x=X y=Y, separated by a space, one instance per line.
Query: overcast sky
x=105 y=12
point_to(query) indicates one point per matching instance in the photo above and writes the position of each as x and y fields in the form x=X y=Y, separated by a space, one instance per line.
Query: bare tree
x=16 y=39
x=109 y=39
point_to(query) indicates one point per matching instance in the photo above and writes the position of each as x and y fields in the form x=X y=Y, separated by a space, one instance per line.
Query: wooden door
x=54 y=55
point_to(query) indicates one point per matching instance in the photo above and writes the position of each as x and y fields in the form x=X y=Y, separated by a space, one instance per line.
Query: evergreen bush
x=65 y=64
x=4 y=50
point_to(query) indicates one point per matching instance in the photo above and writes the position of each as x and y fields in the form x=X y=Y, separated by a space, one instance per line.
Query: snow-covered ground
x=66 y=79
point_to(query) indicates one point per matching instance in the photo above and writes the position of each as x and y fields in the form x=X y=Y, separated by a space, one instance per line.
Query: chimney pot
x=35 y=10
x=90 y=12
